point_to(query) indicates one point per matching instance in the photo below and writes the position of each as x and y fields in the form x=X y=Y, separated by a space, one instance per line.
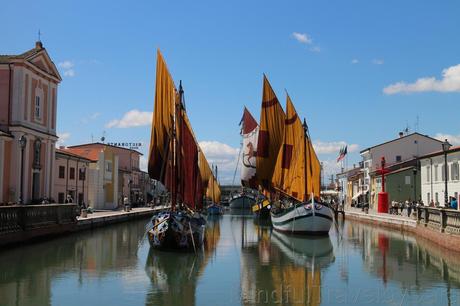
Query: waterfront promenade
x=23 y=223
x=440 y=226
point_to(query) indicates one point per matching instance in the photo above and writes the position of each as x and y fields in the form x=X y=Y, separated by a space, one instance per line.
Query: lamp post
x=83 y=176
x=414 y=171
x=22 y=144
x=445 y=147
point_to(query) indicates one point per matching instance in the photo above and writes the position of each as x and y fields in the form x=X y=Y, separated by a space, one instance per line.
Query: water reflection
x=27 y=272
x=243 y=262
x=174 y=275
x=283 y=269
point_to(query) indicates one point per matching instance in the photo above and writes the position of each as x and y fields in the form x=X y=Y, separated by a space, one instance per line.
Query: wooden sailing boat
x=174 y=161
x=214 y=208
x=296 y=179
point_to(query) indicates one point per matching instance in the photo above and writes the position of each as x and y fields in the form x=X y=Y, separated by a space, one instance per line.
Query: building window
x=61 y=197
x=398 y=158
x=108 y=166
x=428 y=174
x=436 y=178
x=454 y=171
x=436 y=197
x=82 y=174
x=37 y=107
x=61 y=173
x=407 y=179
x=428 y=198
x=72 y=173
x=37 y=151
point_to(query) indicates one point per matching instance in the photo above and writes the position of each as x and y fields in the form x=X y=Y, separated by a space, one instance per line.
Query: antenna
x=39 y=35
x=103 y=136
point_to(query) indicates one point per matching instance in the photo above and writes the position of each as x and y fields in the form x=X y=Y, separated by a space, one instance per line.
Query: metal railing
x=442 y=219
x=28 y=217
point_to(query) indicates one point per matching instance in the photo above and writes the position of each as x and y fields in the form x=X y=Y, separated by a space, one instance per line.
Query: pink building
x=129 y=173
x=71 y=177
x=28 y=99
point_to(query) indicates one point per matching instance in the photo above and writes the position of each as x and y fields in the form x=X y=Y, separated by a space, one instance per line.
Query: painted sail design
x=289 y=174
x=270 y=135
x=250 y=133
x=162 y=127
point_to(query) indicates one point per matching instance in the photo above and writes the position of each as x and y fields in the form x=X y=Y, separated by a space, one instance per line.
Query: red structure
x=383 y=196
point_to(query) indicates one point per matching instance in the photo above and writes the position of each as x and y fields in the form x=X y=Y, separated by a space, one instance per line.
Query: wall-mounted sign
x=127 y=145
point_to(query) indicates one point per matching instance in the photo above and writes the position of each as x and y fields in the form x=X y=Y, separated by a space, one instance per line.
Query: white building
x=433 y=181
x=401 y=149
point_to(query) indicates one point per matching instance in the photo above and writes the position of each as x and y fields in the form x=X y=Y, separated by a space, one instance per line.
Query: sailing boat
x=214 y=208
x=174 y=161
x=297 y=180
x=249 y=132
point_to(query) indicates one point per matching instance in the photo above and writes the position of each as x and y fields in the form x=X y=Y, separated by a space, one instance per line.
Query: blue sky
x=333 y=57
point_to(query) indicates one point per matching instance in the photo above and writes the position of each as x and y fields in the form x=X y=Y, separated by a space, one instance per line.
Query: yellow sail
x=289 y=173
x=213 y=191
x=314 y=171
x=270 y=135
x=205 y=171
x=163 y=114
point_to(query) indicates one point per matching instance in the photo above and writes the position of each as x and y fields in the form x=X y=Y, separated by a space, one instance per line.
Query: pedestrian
x=409 y=208
x=453 y=203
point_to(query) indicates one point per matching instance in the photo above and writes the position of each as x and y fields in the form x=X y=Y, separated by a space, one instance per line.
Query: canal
x=243 y=263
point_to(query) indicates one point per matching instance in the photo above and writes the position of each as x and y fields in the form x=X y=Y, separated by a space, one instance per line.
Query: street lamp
x=83 y=176
x=22 y=144
x=414 y=171
x=445 y=147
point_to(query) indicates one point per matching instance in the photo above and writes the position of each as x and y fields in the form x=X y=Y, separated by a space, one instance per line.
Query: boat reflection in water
x=174 y=275
x=283 y=269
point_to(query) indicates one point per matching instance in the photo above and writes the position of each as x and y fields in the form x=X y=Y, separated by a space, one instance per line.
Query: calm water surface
x=242 y=263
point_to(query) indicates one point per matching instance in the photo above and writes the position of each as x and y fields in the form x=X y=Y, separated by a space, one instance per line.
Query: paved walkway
x=381 y=217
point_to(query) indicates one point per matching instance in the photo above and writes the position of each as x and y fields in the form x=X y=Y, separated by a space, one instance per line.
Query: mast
x=305 y=129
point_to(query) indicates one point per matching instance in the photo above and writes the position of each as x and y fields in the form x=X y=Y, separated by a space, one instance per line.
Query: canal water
x=242 y=263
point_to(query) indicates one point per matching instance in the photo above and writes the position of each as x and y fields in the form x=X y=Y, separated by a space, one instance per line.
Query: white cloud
x=330 y=166
x=67 y=67
x=378 y=61
x=450 y=82
x=91 y=117
x=302 y=38
x=315 y=49
x=224 y=156
x=453 y=139
x=63 y=137
x=354 y=61
x=69 y=73
x=333 y=147
x=132 y=118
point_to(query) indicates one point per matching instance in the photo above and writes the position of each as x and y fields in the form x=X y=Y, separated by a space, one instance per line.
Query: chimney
x=38 y=45
x=401 y=134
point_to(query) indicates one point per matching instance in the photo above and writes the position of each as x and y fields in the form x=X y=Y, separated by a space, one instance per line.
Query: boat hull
x=176 y=231
x=214 y=209
x=303 y=219
x=241 y=202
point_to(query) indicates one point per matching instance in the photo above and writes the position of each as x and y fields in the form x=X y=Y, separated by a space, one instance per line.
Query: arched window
x=38 y=103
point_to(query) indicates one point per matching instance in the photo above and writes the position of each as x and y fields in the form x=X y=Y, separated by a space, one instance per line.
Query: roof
x=441 y=152
x=91 y=154
x=30 y=55
x=72 y=154
x=396 y=139
x=86 y=145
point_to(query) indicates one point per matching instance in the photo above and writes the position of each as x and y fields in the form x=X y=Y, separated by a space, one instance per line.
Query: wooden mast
x=305 y=129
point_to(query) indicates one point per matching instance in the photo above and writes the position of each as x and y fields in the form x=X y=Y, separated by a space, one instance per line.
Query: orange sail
x=163 y=121
x=270 y=135
x=313 y=171
x=289 y=173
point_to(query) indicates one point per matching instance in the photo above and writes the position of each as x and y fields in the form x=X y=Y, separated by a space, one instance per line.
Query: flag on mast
x=342 y=153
